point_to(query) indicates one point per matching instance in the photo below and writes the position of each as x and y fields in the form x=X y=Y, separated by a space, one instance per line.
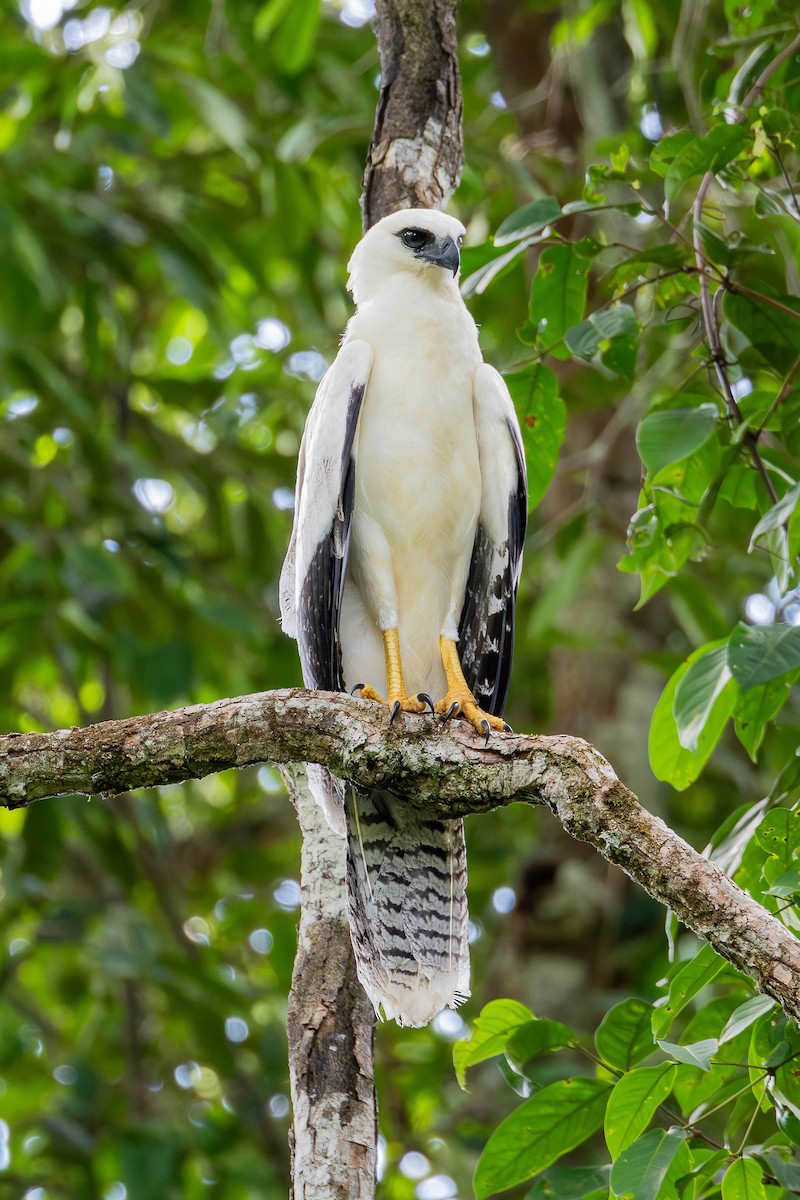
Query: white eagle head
x=417 y=242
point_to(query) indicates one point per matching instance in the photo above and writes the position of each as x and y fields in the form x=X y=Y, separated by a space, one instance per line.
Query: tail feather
x=406 y=896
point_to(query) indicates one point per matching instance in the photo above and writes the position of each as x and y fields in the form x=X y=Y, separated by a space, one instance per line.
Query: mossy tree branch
x=443 y=771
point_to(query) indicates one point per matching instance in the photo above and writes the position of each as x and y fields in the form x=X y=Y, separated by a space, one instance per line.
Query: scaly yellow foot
x=399 y=699
x=459 y=701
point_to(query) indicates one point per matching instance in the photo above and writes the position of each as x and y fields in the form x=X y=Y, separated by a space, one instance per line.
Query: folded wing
x=312 y=580
x=486 y=628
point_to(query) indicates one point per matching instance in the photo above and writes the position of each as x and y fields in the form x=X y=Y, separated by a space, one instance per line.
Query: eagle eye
x=415 y=239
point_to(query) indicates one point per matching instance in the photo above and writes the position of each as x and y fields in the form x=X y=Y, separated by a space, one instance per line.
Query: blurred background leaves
x=179 y=190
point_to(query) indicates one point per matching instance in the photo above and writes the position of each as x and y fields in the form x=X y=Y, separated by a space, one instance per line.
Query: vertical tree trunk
x=416 y=154
x=331 y=1026
x=414 y=160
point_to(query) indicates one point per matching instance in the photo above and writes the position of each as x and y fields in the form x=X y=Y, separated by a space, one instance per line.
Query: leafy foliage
x=179 y=197
x=661 y=1121
x=702 y=257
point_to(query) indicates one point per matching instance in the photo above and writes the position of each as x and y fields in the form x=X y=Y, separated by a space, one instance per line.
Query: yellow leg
x=398 y=698
x=459 y=700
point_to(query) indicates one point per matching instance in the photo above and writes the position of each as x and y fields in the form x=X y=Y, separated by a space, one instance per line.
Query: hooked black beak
x=443 y=253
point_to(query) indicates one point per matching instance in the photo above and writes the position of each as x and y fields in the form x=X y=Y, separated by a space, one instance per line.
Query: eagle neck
x=428 y=287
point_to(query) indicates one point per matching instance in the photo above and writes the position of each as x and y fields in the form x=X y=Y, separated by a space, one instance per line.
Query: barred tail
x=406 y=898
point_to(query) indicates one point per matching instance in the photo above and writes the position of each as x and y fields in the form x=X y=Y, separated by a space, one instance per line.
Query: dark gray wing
x=486 y=628
x=312 y=580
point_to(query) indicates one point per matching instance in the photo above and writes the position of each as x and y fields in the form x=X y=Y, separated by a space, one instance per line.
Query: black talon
x=487 y=729
x=425 y=698
x=395 y=711
x=451 y=712
x=507 y=728
x=357 y=688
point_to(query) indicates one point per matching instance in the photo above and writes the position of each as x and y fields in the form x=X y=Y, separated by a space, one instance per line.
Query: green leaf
x=481 y=276
x=615 y=321
x=534 y=1038
x=221 y=115
x=669 y=760
x=679 y=487
x=558 y=295
x=673 y=434
x=771 y=203
x=293 y=44
x=269 y=17
x=553 y=1121
x=619 y=354
x=708 y=1164
x=695 y=1054
x=744 y=1016
x=689 y=979
x=699 y=690
x=714 y=247
x=641 y=1169
x=633 y=1102
x=749 y=71
x=543 y=418
x=713 y=152
x=779 y=1054
x=778 y=515
x=531 y=218
x=292 y=26
x=668 y=148
x=670 y=254
x=740 y=487
x=787 y=1173
x=615 y=330
x=743 y=1180
x=497 y=1021
x=570 y=1183
x=785 y=885
x=664 y=534
x=779 y=835
x=777 y=122
x=788 y=1124
x=772 y=332
x=762 y=652
x=583 y=340
x=624 y=1036
x=754 y=710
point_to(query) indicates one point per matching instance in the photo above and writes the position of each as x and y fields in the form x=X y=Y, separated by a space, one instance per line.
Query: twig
x=766 y=75
x=786 y=178
x=707 y=306
x=706 y=303
x=733 y=285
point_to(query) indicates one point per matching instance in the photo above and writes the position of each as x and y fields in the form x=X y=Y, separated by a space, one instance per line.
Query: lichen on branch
x=446 y=771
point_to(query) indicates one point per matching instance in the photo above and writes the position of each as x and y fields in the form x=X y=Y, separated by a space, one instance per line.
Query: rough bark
x=443 y=771
x=415 y=159
x=330 y=1024
x=416 y=154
